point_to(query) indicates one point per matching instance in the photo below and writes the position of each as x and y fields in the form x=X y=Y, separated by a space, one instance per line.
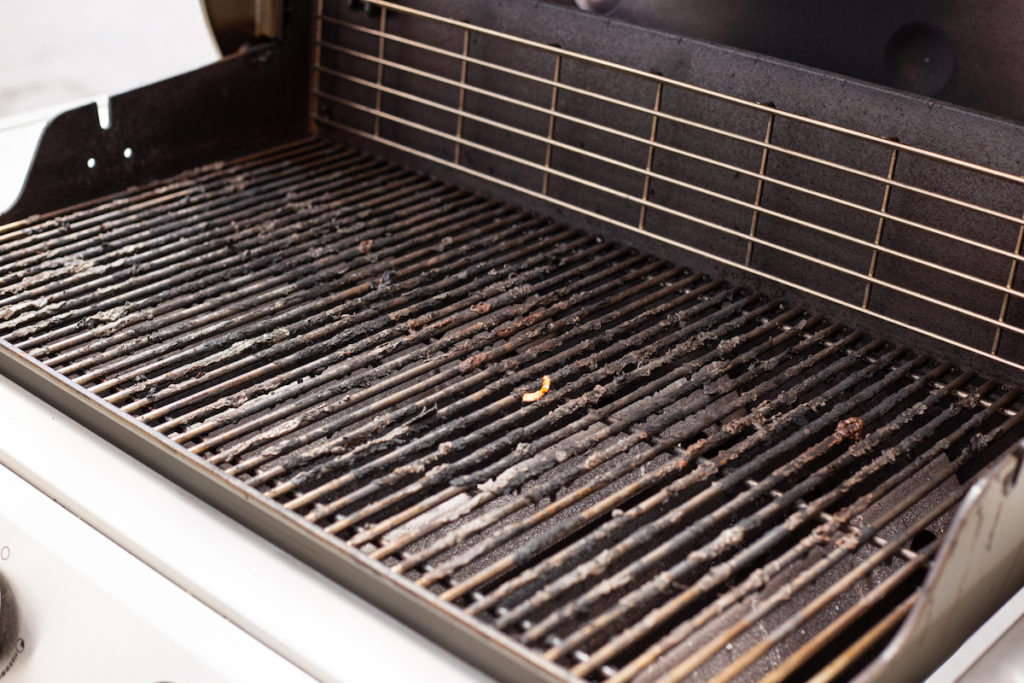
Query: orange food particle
x=532 y=396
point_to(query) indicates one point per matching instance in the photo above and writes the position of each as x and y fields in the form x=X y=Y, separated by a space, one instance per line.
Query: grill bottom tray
x=712 y=482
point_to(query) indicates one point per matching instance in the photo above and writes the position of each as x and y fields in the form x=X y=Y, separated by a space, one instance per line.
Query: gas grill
x=589 y=351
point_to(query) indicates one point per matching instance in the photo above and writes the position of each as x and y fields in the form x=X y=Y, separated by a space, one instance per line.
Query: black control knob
x=10 y=638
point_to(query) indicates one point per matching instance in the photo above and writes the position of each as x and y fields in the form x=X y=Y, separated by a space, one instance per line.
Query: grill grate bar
x=614 y=449
x=289 y=295
x=586 y=387
x=257 y=234
x=177 y=308
x=92 y=298
x=450 y=390
x=621 y=469
x=111 y=214
x=510 y=237
x=780 y=533
x=301 y=310
x=706 y=469
x=887 y=589
x=727 y=539
x=450 y=426
x=881 y=630
x=163 y=229
x=849 y=542
x=287 y=394
x=300 y=335
x=550 y=591
x=331 y=446
x=563 y=557
x=730 y=672
x=505 y=314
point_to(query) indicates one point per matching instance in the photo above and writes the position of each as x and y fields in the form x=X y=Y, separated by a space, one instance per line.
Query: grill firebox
x=711 y=474
x=615 y=375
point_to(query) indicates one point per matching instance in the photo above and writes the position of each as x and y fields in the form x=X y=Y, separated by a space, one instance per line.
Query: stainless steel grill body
x=349 y=354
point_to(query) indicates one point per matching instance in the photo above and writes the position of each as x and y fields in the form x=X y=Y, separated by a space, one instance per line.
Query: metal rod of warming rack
x=871 y=279
x=646 y=203
x=759 y=143
x=640 y=73
x=624 y=135
x=725 y=230
x=703 y=253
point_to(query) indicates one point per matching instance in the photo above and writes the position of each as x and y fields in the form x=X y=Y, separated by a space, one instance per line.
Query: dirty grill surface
x=714 y=483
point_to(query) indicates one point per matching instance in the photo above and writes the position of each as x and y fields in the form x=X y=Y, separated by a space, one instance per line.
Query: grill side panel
x=250 y=100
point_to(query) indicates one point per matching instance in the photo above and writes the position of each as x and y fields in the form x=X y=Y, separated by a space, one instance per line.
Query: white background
x=57 y=54
x=53 y=51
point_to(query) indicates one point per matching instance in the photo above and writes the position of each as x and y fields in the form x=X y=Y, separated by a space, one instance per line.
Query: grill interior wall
x=539 y=116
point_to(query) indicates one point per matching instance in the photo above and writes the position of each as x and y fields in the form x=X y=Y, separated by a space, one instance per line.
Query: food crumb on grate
x=532 y=396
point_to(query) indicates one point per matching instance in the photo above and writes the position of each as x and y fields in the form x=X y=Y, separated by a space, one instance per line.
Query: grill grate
x=715 y=483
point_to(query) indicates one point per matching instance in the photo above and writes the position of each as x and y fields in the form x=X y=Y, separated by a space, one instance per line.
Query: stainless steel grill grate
x=714 y=483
